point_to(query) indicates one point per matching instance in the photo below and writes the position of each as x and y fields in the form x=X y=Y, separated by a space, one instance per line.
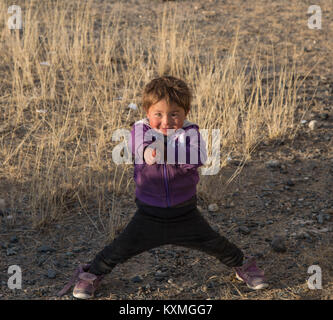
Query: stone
x=320 y=218
x=303 y=235
x=290 y=183
x=136 y=279
x=45 y=249
x=216 y=228
x=244 y=230
x=213 y=207
x=273 y=164
x=11 y=252
x=324 y=116
x=14 y=239
x=51 y=274
x=313 y=125
x=278 y=244
x=160 y=276
x=209 y=13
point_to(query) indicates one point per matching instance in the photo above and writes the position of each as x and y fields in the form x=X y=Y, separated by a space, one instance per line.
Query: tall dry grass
x=57 y=120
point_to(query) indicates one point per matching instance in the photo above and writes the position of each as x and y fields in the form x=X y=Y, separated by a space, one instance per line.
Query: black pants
x=152 y=227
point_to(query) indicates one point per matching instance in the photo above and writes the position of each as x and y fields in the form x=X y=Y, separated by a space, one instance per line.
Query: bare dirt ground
x=291 y=199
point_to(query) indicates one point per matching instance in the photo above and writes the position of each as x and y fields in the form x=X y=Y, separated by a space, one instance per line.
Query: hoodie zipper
x=166 y=184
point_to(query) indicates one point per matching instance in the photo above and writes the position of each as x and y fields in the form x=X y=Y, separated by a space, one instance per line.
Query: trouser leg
x=141 y=234
x=152 y=227
x=196 y=233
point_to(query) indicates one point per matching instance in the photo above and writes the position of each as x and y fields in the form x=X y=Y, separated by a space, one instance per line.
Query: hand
x=150 y=156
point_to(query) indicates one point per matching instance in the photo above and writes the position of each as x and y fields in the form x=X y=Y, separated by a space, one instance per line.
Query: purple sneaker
x=251 y=275
x=85 y=283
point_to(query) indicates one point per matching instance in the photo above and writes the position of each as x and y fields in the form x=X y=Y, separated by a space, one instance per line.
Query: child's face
x=163 y=116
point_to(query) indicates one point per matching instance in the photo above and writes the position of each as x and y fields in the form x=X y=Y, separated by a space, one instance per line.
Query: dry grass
x=57 y=121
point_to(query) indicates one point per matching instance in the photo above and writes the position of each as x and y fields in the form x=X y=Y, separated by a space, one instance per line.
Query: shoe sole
x=81 y=295
x=258 y=287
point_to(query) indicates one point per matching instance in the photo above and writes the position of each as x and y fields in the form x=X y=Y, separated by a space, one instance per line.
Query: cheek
x=178 y=123
x=154 y=123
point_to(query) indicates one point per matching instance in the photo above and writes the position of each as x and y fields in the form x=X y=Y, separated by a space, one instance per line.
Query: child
x=164 y=145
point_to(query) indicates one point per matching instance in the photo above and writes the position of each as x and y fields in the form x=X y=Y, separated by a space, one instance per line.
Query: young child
x=164 y=145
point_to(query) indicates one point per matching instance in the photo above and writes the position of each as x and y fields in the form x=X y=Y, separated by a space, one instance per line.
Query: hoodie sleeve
x=137 y=142
x=196 y=153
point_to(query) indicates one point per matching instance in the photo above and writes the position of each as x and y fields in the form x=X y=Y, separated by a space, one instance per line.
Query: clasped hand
x=154 y=153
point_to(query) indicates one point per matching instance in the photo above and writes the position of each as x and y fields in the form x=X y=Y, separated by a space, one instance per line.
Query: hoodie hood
x=145 y=121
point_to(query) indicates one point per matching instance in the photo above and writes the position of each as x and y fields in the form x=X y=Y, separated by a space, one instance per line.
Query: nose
x=166 y=121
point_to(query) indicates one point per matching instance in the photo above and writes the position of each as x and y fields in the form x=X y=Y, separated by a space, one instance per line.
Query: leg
x=196 y=233
x=141 y=234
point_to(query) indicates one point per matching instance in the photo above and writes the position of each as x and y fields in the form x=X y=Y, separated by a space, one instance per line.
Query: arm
x=140 y=147
x=196 y=154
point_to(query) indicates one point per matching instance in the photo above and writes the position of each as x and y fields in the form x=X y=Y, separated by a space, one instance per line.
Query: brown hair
x=173 y=90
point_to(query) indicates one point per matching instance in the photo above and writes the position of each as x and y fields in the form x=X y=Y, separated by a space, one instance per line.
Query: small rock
x=313 y=124
x=44 y=63
x=160 y=276
x=273 y=164
x=51 y=274
x=14 y=239
x=320 y=218
x=216 y=228
x=244 y=230
x=234 y=162
x=213 y=207
x=11 y=252
x=209 y=14
x=290 y=183
x=303 y=235
x=45 y=248
x=136 y=279
x=133 y=106
x=324 y=116
x=278 y=244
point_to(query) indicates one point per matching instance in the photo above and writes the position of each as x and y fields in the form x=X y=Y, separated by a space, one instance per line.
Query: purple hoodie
x=174 y=180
